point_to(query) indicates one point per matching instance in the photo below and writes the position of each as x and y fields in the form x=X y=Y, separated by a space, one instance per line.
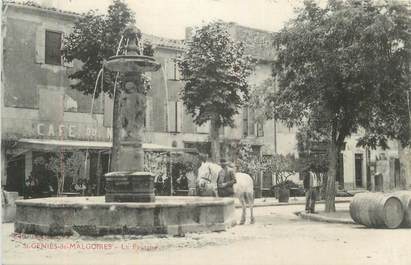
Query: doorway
x=397 y=169
x=16 y=174
x=359 y=170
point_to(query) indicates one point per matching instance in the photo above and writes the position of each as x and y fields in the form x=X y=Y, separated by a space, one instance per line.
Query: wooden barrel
x=377 y=210
x=405 y=198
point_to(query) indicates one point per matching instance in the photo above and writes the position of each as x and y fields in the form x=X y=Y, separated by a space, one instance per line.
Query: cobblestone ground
x=278 y=237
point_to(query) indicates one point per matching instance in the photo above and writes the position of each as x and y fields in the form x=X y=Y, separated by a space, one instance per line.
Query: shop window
x=53 y=48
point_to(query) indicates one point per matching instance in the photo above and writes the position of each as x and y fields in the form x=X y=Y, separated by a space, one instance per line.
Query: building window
x=173 y=72
x=53 y=47
x=249 y=123
x=260 y=129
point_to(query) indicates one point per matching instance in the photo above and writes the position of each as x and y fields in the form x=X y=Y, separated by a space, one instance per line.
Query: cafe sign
x=72 y=131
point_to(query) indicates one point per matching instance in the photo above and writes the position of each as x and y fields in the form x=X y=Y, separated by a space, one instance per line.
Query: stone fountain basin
x=92 y=216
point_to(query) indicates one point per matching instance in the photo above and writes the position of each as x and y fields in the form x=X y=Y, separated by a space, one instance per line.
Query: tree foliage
x=345 y=66
x=94 y=39
x=342 y=68
x=282 y=167
x=247 y=161
x=215 y=72
x=261 y=96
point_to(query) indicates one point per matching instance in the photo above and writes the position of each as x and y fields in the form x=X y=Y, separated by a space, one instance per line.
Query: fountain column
x=132 y=111
x=130 y=183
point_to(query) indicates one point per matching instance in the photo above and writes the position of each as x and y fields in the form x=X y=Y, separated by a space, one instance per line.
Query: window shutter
x=172 y=116
x=177 y=70
x=179 y=109
x=149 y=113
x=40 y=44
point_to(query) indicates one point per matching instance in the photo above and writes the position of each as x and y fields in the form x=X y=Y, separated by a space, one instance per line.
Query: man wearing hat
x=226 y=180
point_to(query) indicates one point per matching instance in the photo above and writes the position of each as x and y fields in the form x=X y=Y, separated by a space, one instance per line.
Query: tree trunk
x=215 y=141
x=115 y=150
x=333 y=151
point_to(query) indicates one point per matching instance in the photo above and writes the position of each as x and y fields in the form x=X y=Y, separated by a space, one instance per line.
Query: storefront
x=62 y=163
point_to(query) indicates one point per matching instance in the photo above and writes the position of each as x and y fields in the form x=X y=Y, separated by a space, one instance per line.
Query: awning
x=50 y=144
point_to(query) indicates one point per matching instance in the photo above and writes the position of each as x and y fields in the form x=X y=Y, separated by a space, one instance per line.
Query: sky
x=169 y=18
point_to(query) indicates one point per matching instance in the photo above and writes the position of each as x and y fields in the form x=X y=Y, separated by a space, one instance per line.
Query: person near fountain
x=80 y=187
x=226 y=180
x=31 y=186
x=167 y=185
x=182 y=182
x=159 y=185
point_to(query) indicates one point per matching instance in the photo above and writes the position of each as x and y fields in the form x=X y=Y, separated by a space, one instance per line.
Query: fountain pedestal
x=129 y=187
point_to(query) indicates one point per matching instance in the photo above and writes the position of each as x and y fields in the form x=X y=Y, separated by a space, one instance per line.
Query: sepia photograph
x=210 y=132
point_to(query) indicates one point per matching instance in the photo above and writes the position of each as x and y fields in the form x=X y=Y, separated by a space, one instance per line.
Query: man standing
x=310 y=186
x=226 y=180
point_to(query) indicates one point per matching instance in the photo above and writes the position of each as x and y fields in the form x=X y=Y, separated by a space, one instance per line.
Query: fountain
x=129 y=206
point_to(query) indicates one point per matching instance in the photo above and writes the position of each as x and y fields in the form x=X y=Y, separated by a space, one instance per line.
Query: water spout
x=119 y=44
x=100 y=73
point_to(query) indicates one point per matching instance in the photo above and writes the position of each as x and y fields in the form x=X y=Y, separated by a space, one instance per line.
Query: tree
x=65 y=165
x=247 y=161
x=215 y=72
x=95 y=38
x=342 y=68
